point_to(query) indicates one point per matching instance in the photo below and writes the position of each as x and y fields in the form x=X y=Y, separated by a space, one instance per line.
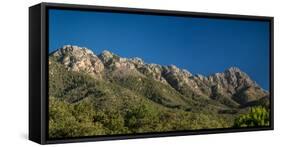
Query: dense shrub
x=67 y=120
x=258 y=116
x=80 y=105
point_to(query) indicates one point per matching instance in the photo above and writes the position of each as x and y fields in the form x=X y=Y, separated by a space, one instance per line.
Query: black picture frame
x=38 y=71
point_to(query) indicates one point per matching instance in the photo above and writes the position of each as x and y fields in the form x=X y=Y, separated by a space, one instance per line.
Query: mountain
x=140 y=96
x=79 y=59
x=233 y=84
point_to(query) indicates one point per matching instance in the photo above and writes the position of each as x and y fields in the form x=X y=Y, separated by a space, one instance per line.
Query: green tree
x=67 y=120
x=258 y=116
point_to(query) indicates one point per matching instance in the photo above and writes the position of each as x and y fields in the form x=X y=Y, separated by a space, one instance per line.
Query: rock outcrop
x=232 y=84
x=79 y=59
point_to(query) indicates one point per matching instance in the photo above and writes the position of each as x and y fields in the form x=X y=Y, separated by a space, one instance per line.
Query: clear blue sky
x=200 y=45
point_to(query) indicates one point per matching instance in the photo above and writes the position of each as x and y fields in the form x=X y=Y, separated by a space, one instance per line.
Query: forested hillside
x=106 y=94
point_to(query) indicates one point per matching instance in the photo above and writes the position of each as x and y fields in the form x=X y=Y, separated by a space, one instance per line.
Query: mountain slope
x=108 y=94
x=233 y=86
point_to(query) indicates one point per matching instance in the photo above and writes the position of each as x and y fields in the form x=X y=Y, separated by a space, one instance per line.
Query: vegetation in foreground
x=80 y=105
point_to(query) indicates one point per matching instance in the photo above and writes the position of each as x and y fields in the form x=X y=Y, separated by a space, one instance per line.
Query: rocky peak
x=106 y=56
x=116 y=63
x=232 y=83
x=73 y=50
x=236 y=76
x=232 y=79
x=178 y=78
x=107 y=53
x=137 y=61
x=236 y=84
x=172 y=69
x=79 y=59
x=153 y=71
x=233 y=70
x=201 y=77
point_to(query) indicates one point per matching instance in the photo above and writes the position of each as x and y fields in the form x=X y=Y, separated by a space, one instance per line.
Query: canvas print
x=124 y=73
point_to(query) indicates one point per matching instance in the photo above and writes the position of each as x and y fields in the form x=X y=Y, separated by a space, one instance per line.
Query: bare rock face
x=175 y=76
x=106 y=56
x=232 y=84
x=182 y=79
x=236 y=84
x=80 y=60
x=233 y=79
x=114 y=62
x=153 y=71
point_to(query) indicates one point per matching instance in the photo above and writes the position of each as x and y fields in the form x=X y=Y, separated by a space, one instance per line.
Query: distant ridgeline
x=106 y=94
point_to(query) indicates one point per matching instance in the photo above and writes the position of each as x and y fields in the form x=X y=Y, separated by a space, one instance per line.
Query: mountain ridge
x=232 y=84
x=106 y=94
